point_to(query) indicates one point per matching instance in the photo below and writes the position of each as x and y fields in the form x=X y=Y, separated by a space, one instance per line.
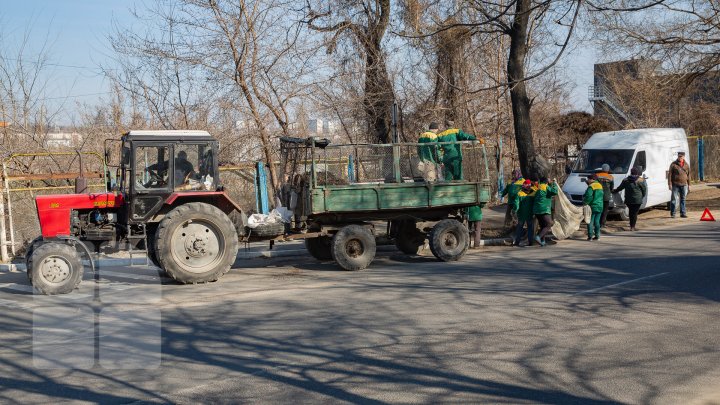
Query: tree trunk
x=379 y=95
x=518 y=92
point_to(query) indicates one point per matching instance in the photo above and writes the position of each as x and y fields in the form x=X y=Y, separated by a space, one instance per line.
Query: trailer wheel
x=320 y=247
x=56 y=268
x=196 y=243
x=353 y=247
x=449 y=240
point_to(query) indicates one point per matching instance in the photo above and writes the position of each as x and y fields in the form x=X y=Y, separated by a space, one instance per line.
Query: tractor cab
x=152 y=166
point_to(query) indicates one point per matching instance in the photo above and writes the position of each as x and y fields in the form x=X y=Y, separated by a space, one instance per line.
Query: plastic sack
x=567 y=217
x=280 y=214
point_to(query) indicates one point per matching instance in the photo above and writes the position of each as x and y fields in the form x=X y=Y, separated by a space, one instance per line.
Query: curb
x=267 y=254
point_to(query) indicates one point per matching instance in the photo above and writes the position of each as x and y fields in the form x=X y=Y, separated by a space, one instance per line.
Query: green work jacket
x=512 y=190
x=452 y=152
x=428 y=153
x=525 y=205
x=543 y=198
x=475 y=213
x=635 y=189
x=594 y=196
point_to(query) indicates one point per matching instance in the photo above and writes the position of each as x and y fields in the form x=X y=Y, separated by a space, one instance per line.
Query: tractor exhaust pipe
x=81 y=186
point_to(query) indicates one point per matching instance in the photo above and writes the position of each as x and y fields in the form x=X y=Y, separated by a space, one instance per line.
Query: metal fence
x=328 y=164
x=710 y=146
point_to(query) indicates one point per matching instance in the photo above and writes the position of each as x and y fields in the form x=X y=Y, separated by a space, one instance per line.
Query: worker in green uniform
x=428 y=153
x=526 y=199
x=593 y=197
x=475 y=219
x=511 y=191
x=452 y=153
x=542 y=207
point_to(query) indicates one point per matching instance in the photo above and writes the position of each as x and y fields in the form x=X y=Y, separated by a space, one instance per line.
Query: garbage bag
x=280 y=214
x=567 y=217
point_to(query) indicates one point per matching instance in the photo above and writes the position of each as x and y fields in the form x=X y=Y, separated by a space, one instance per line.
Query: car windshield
x=590 y=160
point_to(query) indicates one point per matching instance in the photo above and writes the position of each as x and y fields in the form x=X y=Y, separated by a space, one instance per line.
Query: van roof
x=631 y=138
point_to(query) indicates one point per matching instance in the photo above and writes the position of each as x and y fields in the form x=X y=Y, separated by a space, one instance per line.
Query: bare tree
x=363 y=25
x=241 y=55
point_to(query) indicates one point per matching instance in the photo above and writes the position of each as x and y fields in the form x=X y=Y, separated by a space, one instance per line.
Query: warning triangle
x=707 y=216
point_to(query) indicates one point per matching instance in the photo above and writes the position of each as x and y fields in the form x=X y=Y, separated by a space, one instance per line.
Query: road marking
x=619 y=284
x=129 y=275
x=17 y=287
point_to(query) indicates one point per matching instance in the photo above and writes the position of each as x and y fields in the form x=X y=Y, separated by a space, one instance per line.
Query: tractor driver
x=183 y=168
x=158 y=171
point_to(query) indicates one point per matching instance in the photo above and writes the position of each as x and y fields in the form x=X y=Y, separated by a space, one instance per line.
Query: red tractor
x=166 y=198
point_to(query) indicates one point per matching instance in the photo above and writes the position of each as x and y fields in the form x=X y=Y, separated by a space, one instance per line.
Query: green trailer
x=342 y=196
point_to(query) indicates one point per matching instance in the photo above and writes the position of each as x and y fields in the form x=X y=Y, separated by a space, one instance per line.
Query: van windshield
x=591 y=160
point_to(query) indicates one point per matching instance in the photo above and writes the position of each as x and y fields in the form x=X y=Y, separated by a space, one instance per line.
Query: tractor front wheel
x=449 y=240
x=55 y=268
x=196 y=243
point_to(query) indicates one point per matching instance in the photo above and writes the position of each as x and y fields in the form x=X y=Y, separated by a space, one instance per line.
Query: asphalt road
x=633 y=318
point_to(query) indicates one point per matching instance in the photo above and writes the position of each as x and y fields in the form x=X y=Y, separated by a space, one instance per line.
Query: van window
x=591 y=160
x=640 y=161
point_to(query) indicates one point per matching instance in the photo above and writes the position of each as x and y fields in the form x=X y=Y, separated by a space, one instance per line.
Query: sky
x=76 y=34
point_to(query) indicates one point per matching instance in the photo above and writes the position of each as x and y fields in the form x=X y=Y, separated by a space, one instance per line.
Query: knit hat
x=606 y=168
x=433 y=125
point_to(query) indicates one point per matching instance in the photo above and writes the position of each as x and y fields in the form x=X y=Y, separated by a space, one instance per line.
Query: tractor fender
x=219 y=199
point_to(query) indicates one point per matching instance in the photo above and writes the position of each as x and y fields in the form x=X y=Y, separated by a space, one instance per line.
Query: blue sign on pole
x=501 y=174
x=261 y=194
x=701 y=159
x=351 y=170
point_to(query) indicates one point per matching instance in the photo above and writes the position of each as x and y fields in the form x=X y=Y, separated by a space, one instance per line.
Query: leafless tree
x=361 y=26
x=240 y=55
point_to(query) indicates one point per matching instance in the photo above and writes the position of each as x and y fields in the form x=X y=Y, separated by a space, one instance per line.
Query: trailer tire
x=267 y=230
x=320 y=247
x=449 y=240
x=56 y=268
x=353 y=247
x=196 y=243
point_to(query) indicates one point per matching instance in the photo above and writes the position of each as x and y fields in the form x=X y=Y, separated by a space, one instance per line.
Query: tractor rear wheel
x=320 y=247
x=55 y=268
x=449 y=240
x=31 y=247
x=196 y=243
x=353 y=247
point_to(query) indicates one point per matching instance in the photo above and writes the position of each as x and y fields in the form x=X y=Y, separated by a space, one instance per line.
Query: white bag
x=567 y=217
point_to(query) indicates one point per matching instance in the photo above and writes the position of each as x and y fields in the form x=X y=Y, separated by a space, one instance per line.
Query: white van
x=651 y=149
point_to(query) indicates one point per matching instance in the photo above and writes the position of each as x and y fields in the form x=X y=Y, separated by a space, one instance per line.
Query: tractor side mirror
x=125 y=156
